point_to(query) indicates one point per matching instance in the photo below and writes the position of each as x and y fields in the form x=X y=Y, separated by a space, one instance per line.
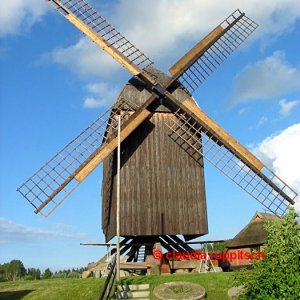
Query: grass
x=216 y=285
x=52 y=289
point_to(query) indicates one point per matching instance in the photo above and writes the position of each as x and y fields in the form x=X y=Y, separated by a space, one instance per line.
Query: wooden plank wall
x=162 y=186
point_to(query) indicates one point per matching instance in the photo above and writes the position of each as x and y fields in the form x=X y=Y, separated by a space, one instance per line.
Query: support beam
x=182 y=243
x=118 y=199
x=169 y=241
x=134 y=243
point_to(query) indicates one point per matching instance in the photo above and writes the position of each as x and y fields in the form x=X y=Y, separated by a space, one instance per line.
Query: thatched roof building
x=253 y=235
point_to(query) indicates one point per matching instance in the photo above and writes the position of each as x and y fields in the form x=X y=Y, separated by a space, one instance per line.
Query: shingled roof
x=253 y=234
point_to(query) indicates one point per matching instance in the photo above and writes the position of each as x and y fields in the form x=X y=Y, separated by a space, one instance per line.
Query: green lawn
x=52 y=289
x=216 y=285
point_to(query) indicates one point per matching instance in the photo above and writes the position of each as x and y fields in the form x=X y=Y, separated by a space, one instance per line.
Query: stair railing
x=109 y=282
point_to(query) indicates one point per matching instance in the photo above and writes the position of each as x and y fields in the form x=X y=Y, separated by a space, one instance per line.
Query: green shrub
x=28 y=277
x=74 y=275
x=277 y=276
x=59 y=275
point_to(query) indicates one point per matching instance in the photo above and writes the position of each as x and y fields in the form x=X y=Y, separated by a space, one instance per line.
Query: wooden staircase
x=133 y=291
x=140 y=258
x=141 y=254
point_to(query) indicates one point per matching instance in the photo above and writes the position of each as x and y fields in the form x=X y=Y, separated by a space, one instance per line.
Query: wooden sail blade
x=100 y=31
x=202 y=137
x=57 y=179
x=190 y=57
x=202 y=60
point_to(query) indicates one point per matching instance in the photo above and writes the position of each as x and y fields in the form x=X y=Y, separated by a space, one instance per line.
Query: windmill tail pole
x=118 y=198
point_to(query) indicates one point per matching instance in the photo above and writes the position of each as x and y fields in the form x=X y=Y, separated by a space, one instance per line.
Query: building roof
x=253 y=234
x=136 y=92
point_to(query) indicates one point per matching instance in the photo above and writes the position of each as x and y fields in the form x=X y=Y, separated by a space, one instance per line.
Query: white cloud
x=104 y=95
x=91 y=102
x=280 y=152
x=11 y=232
x=165 y=31
x=144 y=20
x=17 y=16
x=86 y=59
x=286 y=107
x=266 y=79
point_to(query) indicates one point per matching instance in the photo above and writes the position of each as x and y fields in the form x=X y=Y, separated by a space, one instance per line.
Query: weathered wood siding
x=162 y=186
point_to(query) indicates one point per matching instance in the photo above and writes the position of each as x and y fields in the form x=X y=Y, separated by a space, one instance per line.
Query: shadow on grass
x=14 y=295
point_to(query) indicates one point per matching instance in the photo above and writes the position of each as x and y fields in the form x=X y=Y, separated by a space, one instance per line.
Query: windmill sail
x=199 y=140
x=51 y=184
x=201 y=61
x=100 y=31
x=191 y=128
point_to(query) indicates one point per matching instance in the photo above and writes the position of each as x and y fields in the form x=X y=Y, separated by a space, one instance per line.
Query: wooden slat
x=160 y=180
x=190 y=57
x=134 y=266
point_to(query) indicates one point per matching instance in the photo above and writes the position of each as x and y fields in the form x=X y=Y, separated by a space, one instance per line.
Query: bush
x=74 y=275
x=59 y=275
x=28 y=277
x=277 y=276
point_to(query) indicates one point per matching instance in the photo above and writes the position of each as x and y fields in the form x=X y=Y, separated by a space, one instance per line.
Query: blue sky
x=54 y=82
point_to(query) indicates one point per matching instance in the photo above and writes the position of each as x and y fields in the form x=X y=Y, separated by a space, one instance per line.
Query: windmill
x=165 y=136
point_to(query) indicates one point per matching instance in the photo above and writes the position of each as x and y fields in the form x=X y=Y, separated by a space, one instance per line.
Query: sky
x=54 y=82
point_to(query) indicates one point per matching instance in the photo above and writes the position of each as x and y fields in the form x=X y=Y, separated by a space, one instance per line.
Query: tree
x=47 y=274
x=277 y=276
x=35 y=273
x=3 y=272
x=15 y=270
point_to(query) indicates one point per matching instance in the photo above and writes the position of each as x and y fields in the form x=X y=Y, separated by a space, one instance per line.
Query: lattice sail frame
x=90 y=17
x=46 y=189
x=237 y=28
x=266 y=187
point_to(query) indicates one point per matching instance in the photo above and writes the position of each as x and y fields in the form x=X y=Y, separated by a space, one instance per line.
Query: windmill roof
x=253 y=234
x=135 y=90
x=159 y=75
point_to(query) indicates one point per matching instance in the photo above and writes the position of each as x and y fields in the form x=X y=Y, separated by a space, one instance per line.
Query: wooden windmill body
x=165 y=136
x=162 y=186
